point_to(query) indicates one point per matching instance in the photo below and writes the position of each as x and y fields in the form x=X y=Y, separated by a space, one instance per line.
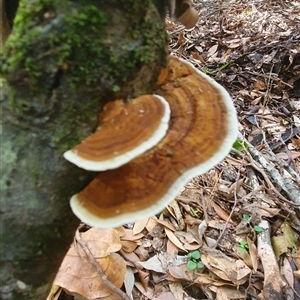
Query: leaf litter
x=243 y=216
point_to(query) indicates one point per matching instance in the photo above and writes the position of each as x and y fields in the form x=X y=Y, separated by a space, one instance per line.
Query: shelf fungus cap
x=126 y=130
x=202 y=129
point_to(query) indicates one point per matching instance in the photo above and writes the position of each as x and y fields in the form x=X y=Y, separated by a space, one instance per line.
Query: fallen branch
x=273 y=283
x=286 y=184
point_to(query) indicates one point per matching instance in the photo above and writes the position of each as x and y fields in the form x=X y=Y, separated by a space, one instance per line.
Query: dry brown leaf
x=79 y=276
x=144 y=278
x=253 y=253
x=205 y=279
x=165 y=296
x=226 y=267
x=139 y=226
x=186 y=237
x=101 y=242
x=178 y=272
x=157 y=263
x=217 y=224
x=148 y=294
x=297 y=259
x=166 y=224
x=174 y=239
x=142 y=253
x=259 y=85
x=130 y=257
x=177 y=290
x=297 y=274
x=189 y=220
x=129 y=236
x=121 y=231
x=129 y=246
x=191 y=247
x=152 y=222
x=212 y=50
x=225 y=292
x=221 y=212
x=172 y=250
x=198 y=57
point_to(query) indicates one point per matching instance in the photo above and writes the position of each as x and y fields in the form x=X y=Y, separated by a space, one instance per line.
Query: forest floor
x=232 y=233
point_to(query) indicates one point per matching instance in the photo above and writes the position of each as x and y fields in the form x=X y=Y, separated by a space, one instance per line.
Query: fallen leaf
x=77 y=275
x=139 y=226
x=174 y=239
x=157 y=263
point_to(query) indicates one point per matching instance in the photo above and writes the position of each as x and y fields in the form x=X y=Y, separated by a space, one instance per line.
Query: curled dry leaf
x=129 y=246
x=130 y=236
x=177 y=290
x=139 y=226
x=227 y=293
x=178 y=272
x=157 y=263
x=225 y=267
x=102 y=242
x=77 y=275
x=174 y=239
x=144 y=278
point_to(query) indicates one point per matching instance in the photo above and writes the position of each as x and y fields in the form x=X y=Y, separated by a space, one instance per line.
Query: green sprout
x=240 y=145
x=194 y=261
x=246 y=217
x=194 y=212
x=256 y=228
x=244 y=247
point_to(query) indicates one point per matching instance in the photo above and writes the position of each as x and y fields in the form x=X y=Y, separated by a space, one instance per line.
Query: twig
x=273 y=282
x=98 y=268
x=270 y=184
x=286 y=184
x=231 y=212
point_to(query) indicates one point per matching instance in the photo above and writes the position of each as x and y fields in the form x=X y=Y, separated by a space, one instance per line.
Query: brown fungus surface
x=127 y=129
x=202 y=129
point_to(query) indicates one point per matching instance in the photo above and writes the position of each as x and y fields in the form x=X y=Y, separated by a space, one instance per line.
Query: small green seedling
x=193 y=212
x=209 y=72
x=194 y=261
x=239 y=145
x=244 y=247
x=256 y=228
x=246 y=217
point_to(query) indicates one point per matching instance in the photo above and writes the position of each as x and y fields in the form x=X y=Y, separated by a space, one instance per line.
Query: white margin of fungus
x=232 y=123
x=124 y=158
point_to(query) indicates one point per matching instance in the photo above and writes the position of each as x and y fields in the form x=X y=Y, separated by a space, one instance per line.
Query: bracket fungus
x=202 y=129
x=127 y=129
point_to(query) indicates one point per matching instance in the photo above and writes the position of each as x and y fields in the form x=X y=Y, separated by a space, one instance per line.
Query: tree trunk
x=61 y=63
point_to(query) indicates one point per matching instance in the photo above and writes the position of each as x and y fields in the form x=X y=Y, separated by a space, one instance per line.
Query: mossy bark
x=61 y=63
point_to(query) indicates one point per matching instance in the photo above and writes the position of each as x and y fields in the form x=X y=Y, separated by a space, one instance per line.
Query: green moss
x=70 y=47
x=50 y=36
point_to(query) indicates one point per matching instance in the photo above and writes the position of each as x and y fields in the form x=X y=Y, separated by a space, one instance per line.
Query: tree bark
x=61 y=63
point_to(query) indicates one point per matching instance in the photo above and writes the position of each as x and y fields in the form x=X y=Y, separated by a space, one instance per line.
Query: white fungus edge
x=120 y=160
x=232 y=123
